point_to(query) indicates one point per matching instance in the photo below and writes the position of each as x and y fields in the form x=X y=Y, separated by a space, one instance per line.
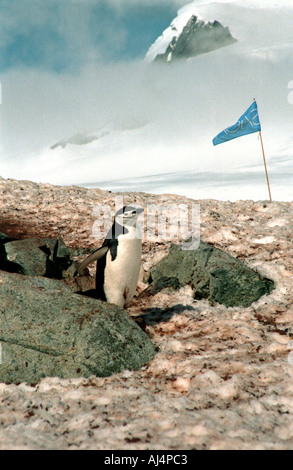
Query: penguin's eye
x=129 y=213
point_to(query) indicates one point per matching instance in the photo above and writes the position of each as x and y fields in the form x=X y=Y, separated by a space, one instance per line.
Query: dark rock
x=197 y=37
x=46 y=330
x=4 y=238
x=214 y=275
x=35 y=257
x=62 y=255
x=25 y=257
x=3 y=261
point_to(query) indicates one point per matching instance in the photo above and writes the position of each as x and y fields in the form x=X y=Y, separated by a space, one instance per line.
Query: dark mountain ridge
x=197 y=37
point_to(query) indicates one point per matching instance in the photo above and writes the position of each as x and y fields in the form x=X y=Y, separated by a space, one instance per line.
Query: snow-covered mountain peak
x=197 y=37
x=244 y=18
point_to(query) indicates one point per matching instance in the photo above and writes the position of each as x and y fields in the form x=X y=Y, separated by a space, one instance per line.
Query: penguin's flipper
x=99 y=253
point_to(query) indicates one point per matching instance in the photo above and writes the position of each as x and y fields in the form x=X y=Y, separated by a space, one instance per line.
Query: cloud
x=40 y=107
x=58 y=33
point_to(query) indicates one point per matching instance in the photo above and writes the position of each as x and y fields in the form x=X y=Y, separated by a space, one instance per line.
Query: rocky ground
x=223 y=377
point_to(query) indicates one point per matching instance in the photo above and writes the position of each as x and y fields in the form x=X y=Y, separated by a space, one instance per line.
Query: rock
x=46 y=330
x=25 y=257
x=35 y=257
x=4 y=238
x=214 y=275
x=197 y=37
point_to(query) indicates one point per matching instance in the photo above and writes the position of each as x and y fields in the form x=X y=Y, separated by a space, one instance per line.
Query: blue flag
x=246 y=124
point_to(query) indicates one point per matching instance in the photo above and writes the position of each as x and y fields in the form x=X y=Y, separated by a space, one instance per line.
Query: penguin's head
x=128 y=215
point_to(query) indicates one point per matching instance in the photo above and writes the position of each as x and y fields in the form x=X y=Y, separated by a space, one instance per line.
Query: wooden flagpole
x=264 y=160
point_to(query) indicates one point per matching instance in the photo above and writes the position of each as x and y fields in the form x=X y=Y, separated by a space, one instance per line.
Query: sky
x=65 y=35
x=69 y=67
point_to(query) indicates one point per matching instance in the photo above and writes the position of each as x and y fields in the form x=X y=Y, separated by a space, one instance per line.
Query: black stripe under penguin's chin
x=116 y=230
x=112 y=236
x=100 y=278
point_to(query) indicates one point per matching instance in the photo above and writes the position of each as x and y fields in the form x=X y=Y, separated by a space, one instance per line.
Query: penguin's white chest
x=121 y=274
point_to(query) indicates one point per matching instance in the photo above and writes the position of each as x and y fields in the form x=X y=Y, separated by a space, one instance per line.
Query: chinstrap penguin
x=118 y=259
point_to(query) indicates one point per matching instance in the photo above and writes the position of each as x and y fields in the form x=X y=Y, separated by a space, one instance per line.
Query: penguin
x=118 y=259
